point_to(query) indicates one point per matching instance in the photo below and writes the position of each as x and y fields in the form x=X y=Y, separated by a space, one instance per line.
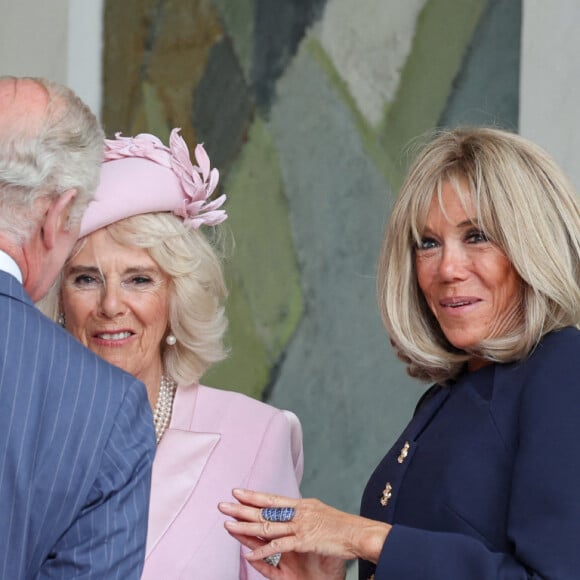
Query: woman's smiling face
x=469 y=284
x=115 y=301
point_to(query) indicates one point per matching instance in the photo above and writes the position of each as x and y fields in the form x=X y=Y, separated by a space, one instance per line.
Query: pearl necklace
x=162 y=412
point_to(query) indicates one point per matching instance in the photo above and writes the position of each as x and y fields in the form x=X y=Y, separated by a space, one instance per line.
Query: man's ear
x=56 y=217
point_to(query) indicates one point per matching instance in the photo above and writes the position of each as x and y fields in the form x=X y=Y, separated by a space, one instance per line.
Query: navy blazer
x=76 y=447
x=484 y=483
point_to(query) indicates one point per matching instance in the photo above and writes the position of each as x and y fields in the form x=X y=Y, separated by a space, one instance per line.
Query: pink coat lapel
x=179 y=462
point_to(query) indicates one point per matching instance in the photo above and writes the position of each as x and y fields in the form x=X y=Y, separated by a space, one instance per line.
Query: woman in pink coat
x=144 y=289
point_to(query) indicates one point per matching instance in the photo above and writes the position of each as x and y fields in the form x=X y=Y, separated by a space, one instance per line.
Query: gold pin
x=404 y=452
x=387 y=493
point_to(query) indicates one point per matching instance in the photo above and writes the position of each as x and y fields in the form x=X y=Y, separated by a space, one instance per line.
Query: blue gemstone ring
x=279 y=514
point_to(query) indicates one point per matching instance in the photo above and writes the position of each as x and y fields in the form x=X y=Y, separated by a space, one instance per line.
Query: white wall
x=57 y=39
x=550 y=80
x=84 y=62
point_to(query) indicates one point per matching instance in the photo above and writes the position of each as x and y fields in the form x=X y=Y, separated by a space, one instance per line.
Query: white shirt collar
x=7 y=264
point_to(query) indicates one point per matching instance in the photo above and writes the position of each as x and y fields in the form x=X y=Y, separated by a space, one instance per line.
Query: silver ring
x=279 y=514
x=273 y=560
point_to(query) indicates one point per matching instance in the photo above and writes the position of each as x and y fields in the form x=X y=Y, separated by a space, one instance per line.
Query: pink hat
x=141 y=175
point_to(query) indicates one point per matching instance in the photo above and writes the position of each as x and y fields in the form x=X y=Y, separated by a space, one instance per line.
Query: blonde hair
x=524 y=204
x=197 y=290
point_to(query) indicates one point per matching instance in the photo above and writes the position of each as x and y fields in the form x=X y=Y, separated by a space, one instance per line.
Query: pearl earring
x=170 y=339
x=60 y=320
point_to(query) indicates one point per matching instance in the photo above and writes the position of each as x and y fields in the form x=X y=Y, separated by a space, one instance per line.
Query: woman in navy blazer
x=478 y=285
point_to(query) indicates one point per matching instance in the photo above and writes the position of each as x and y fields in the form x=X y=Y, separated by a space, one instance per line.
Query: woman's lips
x=112 y=337
x=456 y=302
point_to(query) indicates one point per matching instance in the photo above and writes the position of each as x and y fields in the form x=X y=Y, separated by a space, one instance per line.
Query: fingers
x=250 y=521
x=266 y=530
x=241 y=512
x=262 y=567
x=250 y=514
x=259 y=499
x=260 y=548
x=248 y=541
x=266 y=569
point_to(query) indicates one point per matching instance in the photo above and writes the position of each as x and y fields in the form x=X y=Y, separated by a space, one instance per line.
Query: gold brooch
x=387 y=493
x=404 y=452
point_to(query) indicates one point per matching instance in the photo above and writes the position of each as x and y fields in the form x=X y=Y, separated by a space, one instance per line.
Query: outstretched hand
x=315 y=528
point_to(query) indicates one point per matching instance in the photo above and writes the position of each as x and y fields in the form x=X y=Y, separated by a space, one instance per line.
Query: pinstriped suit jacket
x=76 y=446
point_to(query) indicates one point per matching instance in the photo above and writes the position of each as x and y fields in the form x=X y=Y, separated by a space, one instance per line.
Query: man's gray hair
x=65 y=152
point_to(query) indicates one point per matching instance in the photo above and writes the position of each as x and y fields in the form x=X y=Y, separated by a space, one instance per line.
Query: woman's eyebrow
x=80 y=268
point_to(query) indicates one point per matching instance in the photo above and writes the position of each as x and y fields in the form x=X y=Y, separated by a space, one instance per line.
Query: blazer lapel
x=427 y=408
x=180 y=460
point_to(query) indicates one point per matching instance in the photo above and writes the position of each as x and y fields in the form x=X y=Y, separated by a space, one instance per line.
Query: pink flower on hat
x=197 y=181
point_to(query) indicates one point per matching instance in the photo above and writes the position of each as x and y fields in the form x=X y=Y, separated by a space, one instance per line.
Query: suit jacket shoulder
x=74 y=434
x=487 y=470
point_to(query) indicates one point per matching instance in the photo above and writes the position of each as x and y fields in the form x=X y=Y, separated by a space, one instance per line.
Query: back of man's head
x=50 y=142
